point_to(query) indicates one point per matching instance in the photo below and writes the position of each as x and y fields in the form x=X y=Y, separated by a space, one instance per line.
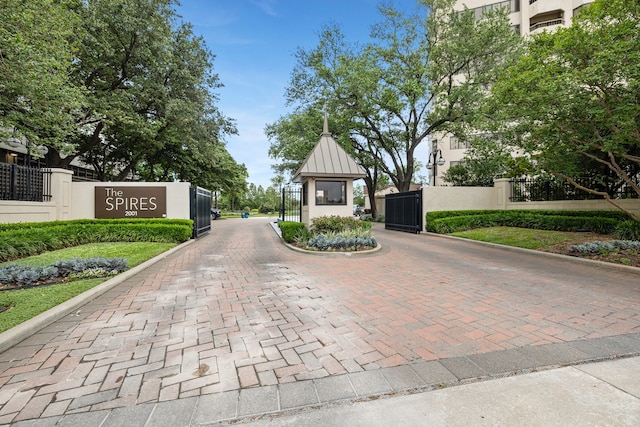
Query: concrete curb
x=608 y=265
x=321 y=253
x=24 y=330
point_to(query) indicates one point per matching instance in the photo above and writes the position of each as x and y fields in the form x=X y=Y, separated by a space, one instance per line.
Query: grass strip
x=519 y=237
x=24 y=304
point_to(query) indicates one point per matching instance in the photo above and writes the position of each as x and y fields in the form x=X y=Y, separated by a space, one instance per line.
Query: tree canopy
x=133 y=96
x=36 y=54
x=419 y=74
x=572 y=103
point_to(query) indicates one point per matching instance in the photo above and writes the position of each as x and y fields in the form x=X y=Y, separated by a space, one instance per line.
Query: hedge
x=289 y=229
x=26 y=239
x=603 y=222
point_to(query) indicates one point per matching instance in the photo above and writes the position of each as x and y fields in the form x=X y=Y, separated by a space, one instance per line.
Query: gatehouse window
x=331 y=192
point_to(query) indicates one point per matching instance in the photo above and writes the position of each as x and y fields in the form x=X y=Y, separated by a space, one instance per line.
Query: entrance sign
x=130 y=202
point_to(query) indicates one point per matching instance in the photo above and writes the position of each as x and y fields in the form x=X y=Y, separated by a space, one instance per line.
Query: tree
x=294 y=136
x=36 y=54
x=292 y=139
x=416 y=77
x=123 y=86
x=358 y=195
x=572 y=102
x=486 y=159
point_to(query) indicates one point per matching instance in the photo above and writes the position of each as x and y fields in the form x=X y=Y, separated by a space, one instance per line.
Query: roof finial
x=325 y=128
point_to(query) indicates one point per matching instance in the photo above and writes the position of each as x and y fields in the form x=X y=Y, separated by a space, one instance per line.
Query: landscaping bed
x=46 y=264
x=329 y=234
x=628 y=257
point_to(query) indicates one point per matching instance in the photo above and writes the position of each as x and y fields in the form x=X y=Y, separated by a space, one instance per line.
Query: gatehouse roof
x=328 y=160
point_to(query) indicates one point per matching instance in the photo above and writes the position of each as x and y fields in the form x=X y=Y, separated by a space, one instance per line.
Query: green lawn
x=27 y=303
x=518 y=237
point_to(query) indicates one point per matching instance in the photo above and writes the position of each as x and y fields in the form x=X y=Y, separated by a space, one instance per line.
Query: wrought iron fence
x=24 y=183
x=536 y=190
x=291 y=206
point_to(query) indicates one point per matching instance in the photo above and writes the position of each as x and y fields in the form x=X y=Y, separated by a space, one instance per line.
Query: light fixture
x=435 y=160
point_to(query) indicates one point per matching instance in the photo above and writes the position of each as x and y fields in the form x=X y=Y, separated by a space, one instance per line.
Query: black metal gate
x=403 y=211
x=291 y=206
x=200 y=210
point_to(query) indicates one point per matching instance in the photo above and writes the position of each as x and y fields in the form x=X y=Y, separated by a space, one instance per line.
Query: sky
x=254 y=42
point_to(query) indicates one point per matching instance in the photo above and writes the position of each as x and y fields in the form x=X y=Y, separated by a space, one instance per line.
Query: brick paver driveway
x=237 y=309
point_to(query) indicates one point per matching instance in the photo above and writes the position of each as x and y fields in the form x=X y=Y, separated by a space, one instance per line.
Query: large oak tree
x=419 y=74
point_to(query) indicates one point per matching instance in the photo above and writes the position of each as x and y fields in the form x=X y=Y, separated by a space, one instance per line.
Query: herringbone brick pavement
x=237 y=309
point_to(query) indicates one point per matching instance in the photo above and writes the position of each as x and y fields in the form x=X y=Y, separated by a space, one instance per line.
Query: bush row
x=619 y=215
x=602 y=222
x=26 y=239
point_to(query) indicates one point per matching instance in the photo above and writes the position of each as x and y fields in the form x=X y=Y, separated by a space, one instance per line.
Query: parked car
x=215 y=213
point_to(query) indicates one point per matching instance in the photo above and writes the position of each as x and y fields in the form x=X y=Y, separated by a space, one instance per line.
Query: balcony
x=544 y=24
x=541 y=7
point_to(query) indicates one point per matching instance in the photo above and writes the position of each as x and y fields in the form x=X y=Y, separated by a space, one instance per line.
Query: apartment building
x=527 y=17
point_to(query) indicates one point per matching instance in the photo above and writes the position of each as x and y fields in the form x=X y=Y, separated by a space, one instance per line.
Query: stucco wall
x=17 y=211
x=177 y=197
x=14 y=211
x=632 y=205
x=311 y=210
x=458 y=198
x=497 y=197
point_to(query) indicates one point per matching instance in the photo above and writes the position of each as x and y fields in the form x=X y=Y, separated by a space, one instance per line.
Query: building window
x=305 y=194
x=331 y=192
x=456 y=144
x=512 y=5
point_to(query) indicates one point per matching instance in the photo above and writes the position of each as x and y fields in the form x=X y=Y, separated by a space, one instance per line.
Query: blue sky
x=254 y=42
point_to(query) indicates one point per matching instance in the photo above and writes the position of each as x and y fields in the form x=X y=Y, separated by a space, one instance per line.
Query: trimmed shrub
x=290 y=229
x=26 y=239
x=336 y=224
x=603 y=222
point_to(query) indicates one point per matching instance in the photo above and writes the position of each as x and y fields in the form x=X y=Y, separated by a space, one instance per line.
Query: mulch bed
x=630 y=258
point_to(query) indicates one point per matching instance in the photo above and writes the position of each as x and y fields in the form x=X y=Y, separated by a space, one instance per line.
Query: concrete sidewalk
x=237 y=328
x=595 y=394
